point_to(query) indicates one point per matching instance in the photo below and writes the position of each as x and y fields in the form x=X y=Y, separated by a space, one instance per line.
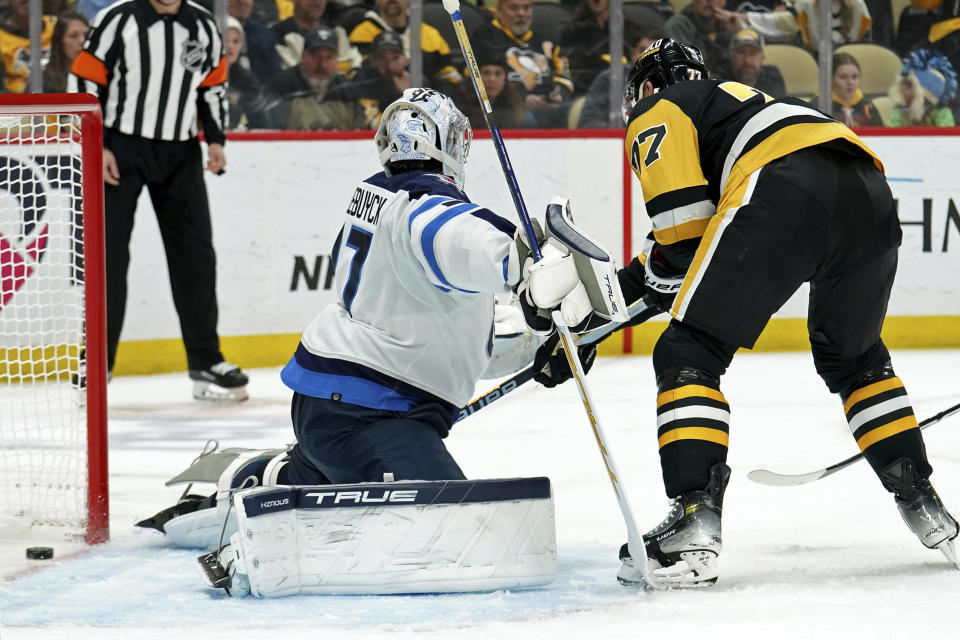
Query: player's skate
x=223 y=381
x=682 y=550
x=921 y=508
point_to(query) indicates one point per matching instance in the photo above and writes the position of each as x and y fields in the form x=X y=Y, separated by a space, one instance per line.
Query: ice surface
x=827 y=560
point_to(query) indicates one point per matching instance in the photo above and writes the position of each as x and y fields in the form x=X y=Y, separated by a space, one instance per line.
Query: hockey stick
x=773 y=479
x=639 y=313
x=634 y=540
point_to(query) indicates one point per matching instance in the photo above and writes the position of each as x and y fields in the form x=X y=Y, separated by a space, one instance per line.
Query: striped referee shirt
x=155 y=75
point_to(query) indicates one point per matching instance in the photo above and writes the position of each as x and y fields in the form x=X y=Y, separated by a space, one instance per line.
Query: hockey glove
x=551 y=362
x=661 y=281
x=552 y=286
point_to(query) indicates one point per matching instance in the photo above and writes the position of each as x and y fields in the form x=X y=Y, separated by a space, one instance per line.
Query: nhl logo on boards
x=193 y=56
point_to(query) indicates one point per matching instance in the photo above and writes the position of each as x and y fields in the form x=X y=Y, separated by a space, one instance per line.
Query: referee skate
x=506 y=319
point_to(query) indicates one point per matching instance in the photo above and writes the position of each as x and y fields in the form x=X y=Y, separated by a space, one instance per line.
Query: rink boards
x=277 y=209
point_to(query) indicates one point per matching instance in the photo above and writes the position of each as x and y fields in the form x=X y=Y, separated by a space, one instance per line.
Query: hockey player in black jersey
x=749 y=198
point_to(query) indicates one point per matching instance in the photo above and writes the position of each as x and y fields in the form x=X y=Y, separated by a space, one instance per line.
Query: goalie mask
x=425 y=125
x=663 y=63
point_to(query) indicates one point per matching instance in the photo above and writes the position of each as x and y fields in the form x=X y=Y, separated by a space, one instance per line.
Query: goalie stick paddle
x=634 y=541
x=639 y=313
x=774 y=479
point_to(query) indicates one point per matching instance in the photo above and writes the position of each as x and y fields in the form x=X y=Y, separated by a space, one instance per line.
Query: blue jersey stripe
x=364 y=393
x=430 y=233
x=428 y=204
x=321 y=377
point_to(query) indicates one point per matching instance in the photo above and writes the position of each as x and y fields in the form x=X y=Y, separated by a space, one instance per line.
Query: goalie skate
x=682 y=550
x=921 y=508
x=222 y=382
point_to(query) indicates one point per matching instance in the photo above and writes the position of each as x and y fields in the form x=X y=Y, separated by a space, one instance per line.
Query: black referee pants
x=173 y=175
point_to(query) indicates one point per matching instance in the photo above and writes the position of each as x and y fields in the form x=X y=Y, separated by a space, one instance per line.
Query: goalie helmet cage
x=53 y=409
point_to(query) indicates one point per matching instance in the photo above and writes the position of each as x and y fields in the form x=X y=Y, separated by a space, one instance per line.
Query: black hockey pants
x=816 y=215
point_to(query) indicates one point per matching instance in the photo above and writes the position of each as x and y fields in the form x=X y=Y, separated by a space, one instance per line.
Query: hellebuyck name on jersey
x=366 y=205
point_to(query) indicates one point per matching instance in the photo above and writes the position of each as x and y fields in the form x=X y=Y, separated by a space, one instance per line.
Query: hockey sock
x=882 y=422
x=693 y=421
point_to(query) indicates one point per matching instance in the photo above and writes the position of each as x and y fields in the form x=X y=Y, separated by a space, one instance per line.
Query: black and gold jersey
x=437 y=64
x=694 y=144
x=15 y=53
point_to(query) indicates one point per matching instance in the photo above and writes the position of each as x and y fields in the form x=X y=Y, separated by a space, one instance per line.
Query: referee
x=158 y=67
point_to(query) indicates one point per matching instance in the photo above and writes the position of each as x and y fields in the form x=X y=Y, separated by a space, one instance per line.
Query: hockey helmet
x=663 y=63
x=424 y=124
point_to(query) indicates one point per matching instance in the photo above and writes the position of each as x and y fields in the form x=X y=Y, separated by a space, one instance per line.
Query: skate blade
x=215 y=393
x=949 y=549
x=631 y=575
x=696 y=570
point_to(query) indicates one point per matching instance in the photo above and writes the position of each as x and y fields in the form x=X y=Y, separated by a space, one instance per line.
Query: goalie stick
x=639 y=313
x=773 y=479
x=634 y=540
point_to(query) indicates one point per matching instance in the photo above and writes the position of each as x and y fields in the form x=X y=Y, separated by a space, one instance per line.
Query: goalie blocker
x=575 y=282
x=390 y=537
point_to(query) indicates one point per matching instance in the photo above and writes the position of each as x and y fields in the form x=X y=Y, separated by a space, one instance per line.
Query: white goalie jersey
x=417 y=268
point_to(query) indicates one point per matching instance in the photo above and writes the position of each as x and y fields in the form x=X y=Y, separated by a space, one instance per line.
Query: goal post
x=53 y=409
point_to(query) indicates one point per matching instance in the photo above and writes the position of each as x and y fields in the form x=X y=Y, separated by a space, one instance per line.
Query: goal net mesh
x=43 y=421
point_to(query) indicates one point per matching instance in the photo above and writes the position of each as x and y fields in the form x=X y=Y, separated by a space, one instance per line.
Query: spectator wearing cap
x=507 y=101
x=586 y=42
x=312 y=78
x=309 y=15
x=699 y=25
x=746 y=64
x=596 y=108
x=259 y=54
x=381 y=79
x=536 y=67
x=392 y=15
x=920 y=96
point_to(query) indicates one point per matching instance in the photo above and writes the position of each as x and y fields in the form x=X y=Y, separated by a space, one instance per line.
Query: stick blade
x=773 y=479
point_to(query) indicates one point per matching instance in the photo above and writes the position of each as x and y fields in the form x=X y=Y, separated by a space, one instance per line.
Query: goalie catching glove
x=574 y=284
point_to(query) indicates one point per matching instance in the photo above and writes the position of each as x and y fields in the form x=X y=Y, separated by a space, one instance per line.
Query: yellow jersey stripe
x=694 y=433
x=365 y=32
x=942 y=29
x=871 y=390
x=689 y=391
x=787 y=140
x=887 y=430
x=683 y=231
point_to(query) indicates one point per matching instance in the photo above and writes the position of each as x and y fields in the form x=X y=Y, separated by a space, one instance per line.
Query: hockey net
x=53 y=445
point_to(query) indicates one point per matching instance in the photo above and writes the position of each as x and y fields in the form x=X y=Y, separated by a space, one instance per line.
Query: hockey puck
x=39 y=553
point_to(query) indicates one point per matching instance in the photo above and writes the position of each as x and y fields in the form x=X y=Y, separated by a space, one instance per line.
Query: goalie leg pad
x=206 y=523
x=398 y=537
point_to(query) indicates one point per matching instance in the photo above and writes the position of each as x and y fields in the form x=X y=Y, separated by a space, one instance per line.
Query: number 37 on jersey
x=665 y=132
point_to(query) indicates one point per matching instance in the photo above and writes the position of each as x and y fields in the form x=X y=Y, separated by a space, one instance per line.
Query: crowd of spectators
x=335 y=64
